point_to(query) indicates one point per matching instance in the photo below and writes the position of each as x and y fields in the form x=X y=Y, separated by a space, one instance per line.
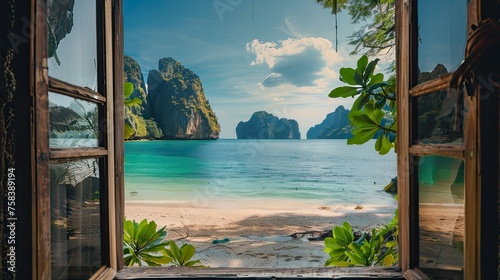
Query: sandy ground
x=259 y=231
x=442 y=227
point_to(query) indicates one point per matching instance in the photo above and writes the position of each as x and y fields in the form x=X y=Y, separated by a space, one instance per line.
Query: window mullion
x=403 y=141
x=87 y=94
x=453 y=151
x=110 y=137
x=438 y=84
x=68 y=153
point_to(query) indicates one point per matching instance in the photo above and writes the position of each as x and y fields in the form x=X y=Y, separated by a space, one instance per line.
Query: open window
x=441 y=160
x=68 y=112
x=75 y=98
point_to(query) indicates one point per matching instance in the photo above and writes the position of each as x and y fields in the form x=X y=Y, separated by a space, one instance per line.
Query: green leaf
x=388 y=260
x=193 y=264
x=355 y=259
x=360 y=119
x=348 y=228
x=376 y=79
x=169 y=253
x=188 y=252
x=386 y=145
x=360 y=101
x=133 y=101
x=374 y=86
x=382 y=257
x=361 y=136
x=128 y=89
x=376 y=115
x=176 y=253
x=380 y=103
x=338 y=263
x=338 y=233
x=358 y=78
x=369 y=70
x=157 y=260
x=362 y=62
x=129 y=131
x=347 y=76
x=330 y=242
x=357 y=251
x=338 y=253
x=146 y=232
x=345 y=91
x=378 y=143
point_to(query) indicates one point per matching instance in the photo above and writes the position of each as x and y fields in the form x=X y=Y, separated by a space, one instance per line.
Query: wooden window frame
x=406 y=54
x=113 y=101
x=109 y=97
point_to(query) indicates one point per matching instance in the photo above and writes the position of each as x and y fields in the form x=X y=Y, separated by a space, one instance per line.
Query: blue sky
x=251 y=55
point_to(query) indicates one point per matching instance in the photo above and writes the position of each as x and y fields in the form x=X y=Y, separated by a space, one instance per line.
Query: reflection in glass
x=442 y=34
x=73 y=122
x=72 y=39
x=75 y=219
x=440 y=118
x=441 y=213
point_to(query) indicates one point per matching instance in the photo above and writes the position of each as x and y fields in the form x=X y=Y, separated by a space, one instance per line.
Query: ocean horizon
x=201 y=171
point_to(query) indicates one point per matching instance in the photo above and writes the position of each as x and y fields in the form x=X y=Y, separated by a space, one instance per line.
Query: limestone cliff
x=336 y=125
x=263 y=125
x=134 y=75
x=59 y=23
x=144 y=126
x=176 y=100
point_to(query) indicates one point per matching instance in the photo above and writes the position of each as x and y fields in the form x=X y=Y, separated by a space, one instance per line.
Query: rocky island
x=176 y=100
x=263 y=125
x=174 y=107
x=336 y=125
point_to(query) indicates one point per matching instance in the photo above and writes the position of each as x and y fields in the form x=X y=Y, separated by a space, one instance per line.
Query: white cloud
x=300 y=62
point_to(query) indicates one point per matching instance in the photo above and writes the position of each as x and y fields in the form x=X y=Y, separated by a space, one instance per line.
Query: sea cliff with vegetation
x=263 y=125
x=175 y=106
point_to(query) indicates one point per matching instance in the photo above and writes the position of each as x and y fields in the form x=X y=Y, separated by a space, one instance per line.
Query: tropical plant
x=128 y=89
x=182 y=256
x=143 y=244
x=374 y=110
x=365 y=251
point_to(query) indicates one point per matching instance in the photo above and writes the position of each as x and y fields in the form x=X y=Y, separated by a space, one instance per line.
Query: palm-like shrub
x=182 y=256
x=366 y=251
x=143 y=244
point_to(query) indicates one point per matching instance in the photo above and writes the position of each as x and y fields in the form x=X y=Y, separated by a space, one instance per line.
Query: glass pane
x=72 y=38
x=440 y=118
x=441 y=213
x=73 y=122
x=442 y=28
x=75 y=213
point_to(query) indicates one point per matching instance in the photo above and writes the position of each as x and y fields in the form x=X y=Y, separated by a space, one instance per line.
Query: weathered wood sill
x=260 y=273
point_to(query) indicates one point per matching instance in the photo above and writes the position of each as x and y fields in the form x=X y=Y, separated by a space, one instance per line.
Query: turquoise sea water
x=329 y=171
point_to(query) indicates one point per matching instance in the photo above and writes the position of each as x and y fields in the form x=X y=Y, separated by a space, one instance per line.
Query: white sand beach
x=258 y=230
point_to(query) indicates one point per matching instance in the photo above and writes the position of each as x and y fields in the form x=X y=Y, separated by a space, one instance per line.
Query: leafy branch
x=373 y=113
x=128 y=89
